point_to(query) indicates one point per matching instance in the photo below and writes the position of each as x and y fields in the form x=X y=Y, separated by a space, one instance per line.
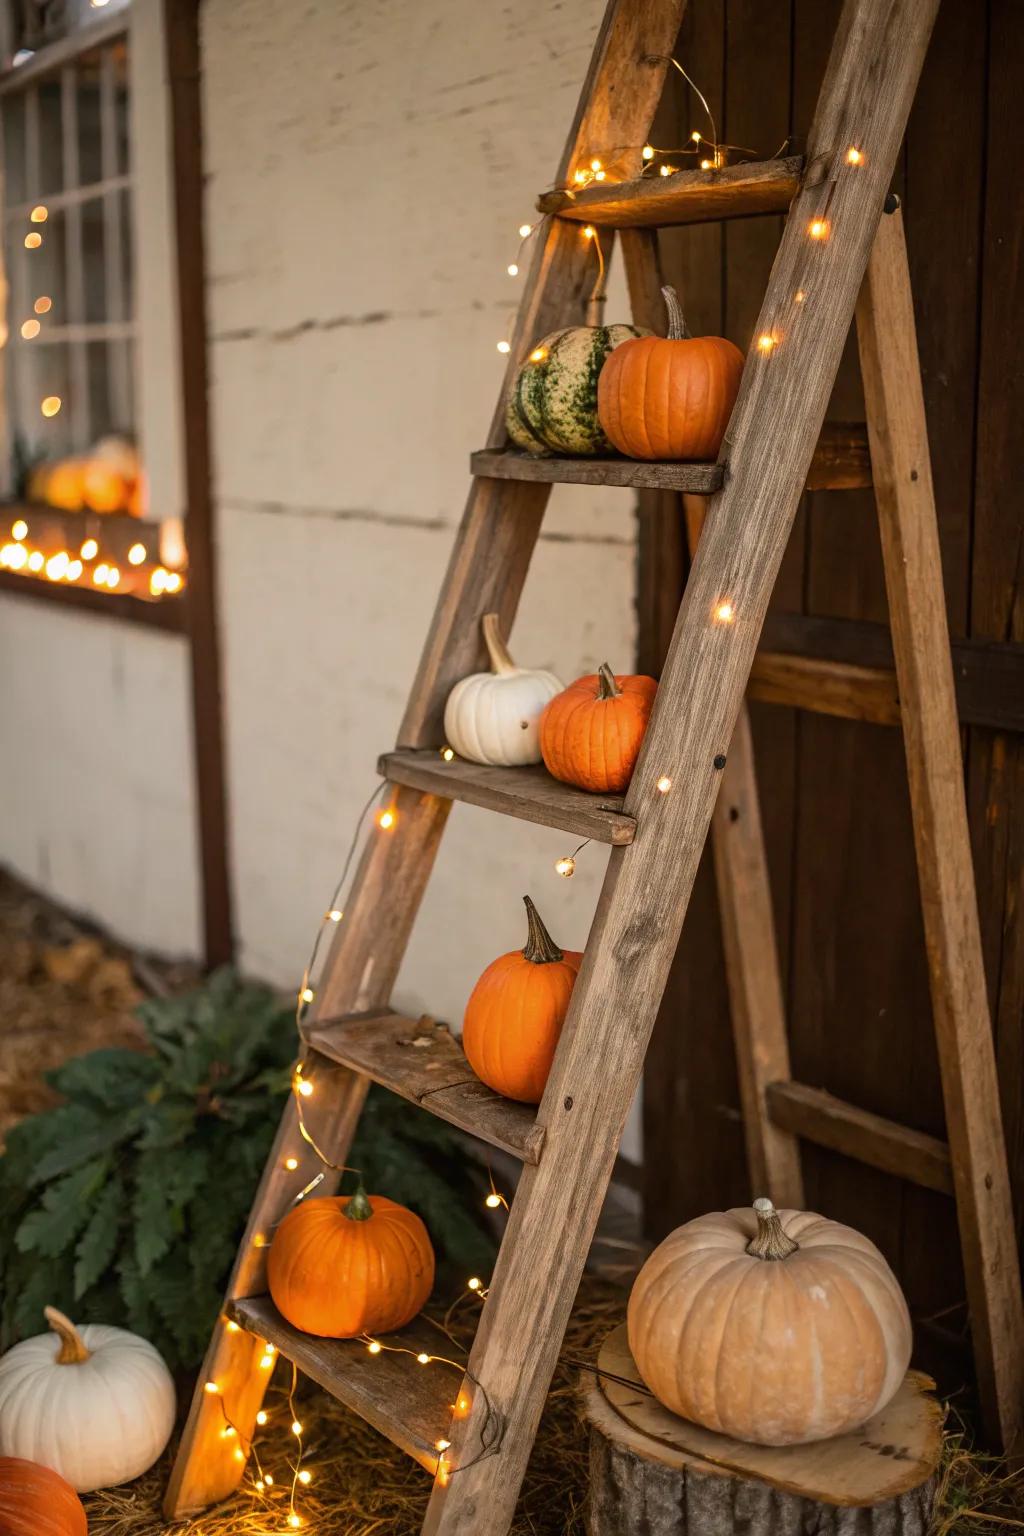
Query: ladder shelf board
x=420 y=1060
x=412 y=1407
x=687 y=197
x=829 y=1122
x=530 y=794
x=841 y=462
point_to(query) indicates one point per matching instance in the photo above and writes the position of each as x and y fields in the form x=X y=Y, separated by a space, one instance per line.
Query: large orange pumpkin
x=37 y=1502
x=344 y=1266
x=64 y=488
x=515 y=1014
x=669 y=397
x=103 y=486
x=590 y=734
x=777 y=1327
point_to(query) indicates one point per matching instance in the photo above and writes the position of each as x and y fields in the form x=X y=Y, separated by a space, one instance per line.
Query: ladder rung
x=421 y=1061
x=825 y=687
x=702 y=479
x=412 y=1407
x=830 y=1122
x=688 y=197
x=841 y=463
x=530 y=794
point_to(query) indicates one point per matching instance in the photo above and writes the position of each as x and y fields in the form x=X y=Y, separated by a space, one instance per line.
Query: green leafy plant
x=126 y=1204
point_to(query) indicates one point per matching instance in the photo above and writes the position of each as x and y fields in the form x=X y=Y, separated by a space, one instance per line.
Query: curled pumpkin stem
x=500 y=657
x=678 y=330
x=359 y=1207
x=73 y=1348
x=540 y=947
x=607 y=687
x=771 y=1242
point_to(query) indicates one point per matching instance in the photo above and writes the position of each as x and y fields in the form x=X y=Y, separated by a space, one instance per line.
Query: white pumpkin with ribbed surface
x=776 y=1327
x=95 y=1404
x=493 y=717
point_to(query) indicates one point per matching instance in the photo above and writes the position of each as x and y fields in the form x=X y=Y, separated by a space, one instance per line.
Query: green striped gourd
x=552 y=405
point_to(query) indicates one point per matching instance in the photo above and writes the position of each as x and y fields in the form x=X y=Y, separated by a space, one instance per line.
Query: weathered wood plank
x=688 y=197
x=865 y=99
x=421 y=1060
x=530 y=794
x=830 y=1122
x=632 y=474
x=841 y=460
x=898 y=433
x=653 y=1472
x=412 y=1406
x=825 y=687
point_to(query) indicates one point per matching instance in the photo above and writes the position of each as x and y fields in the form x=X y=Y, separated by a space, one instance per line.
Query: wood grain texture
x=688 y=197
x=410 y=1404
x=826 y=687
x=530 y=794
x=421 y=1060
x=633 y=474
x=906 y=508
x=830 y=1122
x=865 y=98
x=653 y=1472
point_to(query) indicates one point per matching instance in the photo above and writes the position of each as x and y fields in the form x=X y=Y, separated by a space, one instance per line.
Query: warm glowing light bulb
x=493 y=1201
x=39 y=214
x=441 y=1445
x=158 y=581
x=296 y=1427
x=19 y=530
x=307 y=994
x=799 y=296
x=99 y=575
x=447 y=754
x=854 y=156
x=57 y=565
x=173 y=582
x=580 y=177
x=226 y=1434
x=648 y=152
x=817 y=229
x=294 y=1521
x=239 y=1454
x=474 y=1284
x=266 y=1363
x=566 y=867
x=595 y=165
x=724 y=613
x=211 y=1387
x=51 y=405
x=423 y=1358
x=74 y=570
x=35 y=560
x=305 y=1088
x=113 y=576
x=43 y=305
x=335 y=915
x=260 y=1485
x=589 y=231
x=695 y=137
x=386 y=820
x=30 y=330
x=512 y=269
x=136 y=554
x=524 y=230
x=268 y=1479
x=373 y=1347
x=664 y=784
x=504 y=346
x=765 y=343
x=666 y=170
x=89 y=550
x=538 y=355
x=33 y=240
x=232 y=1326
x=291 y=1163
x=261 y=1417
x=463 y=1405
x=599 y=175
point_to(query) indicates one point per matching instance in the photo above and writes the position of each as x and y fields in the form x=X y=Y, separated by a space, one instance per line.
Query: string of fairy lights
x=386 y=817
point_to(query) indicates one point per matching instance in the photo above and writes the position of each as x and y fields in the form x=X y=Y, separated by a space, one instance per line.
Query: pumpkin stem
x=540 y=947
x=359 y=1207
x=678 y=330
x=73 y=1350
x=607 y=687
x=595 y=309
x=497 y=650
x=771 y=1242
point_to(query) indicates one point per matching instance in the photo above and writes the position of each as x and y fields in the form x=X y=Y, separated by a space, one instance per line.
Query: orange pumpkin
x=669 y=397
x=103 y=486
x=37 y=1502
x=344 y=1266
x=64 y=488
x=515 y=1014
x=590 y=734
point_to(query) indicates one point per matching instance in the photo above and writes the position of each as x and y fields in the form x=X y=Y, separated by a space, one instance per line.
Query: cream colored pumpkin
x=777 y=1327
x=492 y=717
x=95 y=1404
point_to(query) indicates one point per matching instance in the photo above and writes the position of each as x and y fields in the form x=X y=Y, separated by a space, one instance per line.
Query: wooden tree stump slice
x=653 y=1474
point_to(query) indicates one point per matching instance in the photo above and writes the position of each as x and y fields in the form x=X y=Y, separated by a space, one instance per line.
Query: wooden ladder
x=699 y=737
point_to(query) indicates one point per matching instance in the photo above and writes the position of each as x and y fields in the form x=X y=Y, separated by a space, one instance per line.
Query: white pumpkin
x=776 y=1327
x=95 y=1404
x=492 y=717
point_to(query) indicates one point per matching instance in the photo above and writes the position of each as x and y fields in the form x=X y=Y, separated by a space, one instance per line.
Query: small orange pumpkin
x=103 y=487
x=669 y=397
x=37 y=1502
x=590 y=734
x=516 y=1011
x=344 y=1266
x=64 y=488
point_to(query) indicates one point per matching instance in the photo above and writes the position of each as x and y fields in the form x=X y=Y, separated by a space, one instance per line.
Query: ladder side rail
x=898 y=434
x=865 y=101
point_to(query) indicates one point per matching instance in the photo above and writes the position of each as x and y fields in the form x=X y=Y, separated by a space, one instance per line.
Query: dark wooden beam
x=830 y=1122
x=181 y=23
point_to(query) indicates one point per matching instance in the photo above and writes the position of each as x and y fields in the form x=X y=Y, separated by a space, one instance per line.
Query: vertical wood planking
x=866 y=97
x=903 y=487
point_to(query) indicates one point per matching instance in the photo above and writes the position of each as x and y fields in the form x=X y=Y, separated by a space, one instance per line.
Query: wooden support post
x=898 y=435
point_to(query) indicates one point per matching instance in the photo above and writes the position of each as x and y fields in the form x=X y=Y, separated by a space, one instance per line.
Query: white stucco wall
x=367 y=170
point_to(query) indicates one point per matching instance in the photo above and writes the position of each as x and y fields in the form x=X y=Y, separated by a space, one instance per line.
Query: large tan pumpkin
x=777 y=1327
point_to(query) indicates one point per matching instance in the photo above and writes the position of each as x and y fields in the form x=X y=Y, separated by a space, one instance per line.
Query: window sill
x=169 y=614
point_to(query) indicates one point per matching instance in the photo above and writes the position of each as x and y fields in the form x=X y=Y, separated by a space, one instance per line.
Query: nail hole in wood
x=720 y=760
x=567 y=1102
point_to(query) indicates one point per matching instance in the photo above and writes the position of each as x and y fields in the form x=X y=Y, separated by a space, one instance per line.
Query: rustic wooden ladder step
x=421 y=1060
x=830 y=1122
x=687 y=197
x=699 y=738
